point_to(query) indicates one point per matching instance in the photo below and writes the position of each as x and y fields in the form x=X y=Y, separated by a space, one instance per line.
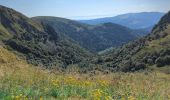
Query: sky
x=85 y=9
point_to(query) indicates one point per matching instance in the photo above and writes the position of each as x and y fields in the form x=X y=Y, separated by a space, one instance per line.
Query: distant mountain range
x=143 y=20
x=94 y=38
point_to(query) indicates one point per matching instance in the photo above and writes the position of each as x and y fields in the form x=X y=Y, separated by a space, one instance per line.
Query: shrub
x=162 y=61
x=140 y=66
x=127 y=66
x=130 y=66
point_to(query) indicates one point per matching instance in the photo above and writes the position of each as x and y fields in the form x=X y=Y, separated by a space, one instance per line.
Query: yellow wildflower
x=108 y=98
x=86 y=83
x=131 y=98
x=41 y=98
x=55 y=82
x=97 y=93
x=103 y=83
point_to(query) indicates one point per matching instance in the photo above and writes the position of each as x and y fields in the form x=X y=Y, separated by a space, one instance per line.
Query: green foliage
x=93 y=38
x=38 y=42
x=162 y=61
x=51 y=42
x=145 y=52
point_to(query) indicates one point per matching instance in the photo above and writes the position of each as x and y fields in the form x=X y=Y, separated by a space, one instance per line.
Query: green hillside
x=94 y=38
x=66 y=71
x=152 y=50
x=55 y=43
x=38 y=42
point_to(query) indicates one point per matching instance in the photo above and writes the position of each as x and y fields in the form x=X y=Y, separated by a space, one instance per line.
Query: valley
x=52 y=58
x=94 y=38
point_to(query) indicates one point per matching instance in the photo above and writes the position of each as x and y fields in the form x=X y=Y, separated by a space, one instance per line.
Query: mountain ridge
x=151 y=50
x=47 y=43
x=38 y=42
x=94 y=35
x=143 y=20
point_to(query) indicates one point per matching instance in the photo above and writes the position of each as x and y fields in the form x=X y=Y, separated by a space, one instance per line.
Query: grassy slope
x=20 y=81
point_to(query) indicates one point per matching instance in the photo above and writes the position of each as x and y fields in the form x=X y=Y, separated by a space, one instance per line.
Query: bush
x=150 y=61
x=162 y=61
x=130 y=66
x=140 y=66
x=127 y=66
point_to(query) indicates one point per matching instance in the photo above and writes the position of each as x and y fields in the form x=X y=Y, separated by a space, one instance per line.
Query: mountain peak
x=162 y=23
x=3 y=7
x=165 y=19
x=9 y=12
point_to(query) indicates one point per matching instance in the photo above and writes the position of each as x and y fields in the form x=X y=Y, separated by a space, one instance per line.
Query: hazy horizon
x=89 y=9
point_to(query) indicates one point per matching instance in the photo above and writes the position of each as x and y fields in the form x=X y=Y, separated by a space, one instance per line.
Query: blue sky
x=85 y=9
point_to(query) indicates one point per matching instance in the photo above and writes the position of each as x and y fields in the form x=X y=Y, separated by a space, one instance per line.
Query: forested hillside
x=92 y=37
x=39 y=43
x=152 y=50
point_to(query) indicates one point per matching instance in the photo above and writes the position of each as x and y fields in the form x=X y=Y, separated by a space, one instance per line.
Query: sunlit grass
x=20 y=81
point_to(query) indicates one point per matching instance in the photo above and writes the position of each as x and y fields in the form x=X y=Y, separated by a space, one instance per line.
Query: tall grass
x=20 y=81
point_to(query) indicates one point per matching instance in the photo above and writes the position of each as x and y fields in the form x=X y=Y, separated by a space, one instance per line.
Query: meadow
x=21 y=81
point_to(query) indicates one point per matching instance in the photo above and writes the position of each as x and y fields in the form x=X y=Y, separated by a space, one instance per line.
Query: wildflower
x=108 y=98
x=131 y=98
x=97 y=94
x=70 y=80
x=103 y=83
x=55 y=83
x=123 y=98
x=41 y=98
x=17 y=98
x=86 y=83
